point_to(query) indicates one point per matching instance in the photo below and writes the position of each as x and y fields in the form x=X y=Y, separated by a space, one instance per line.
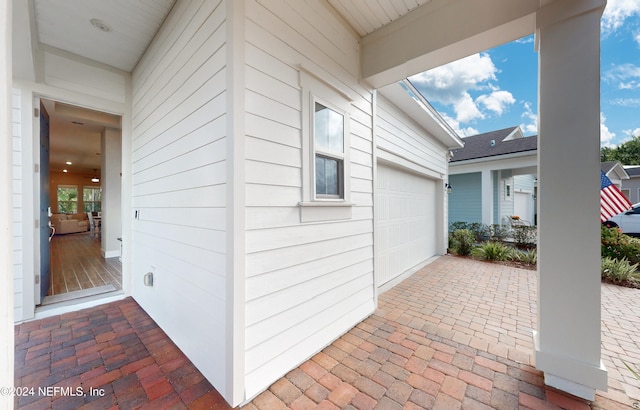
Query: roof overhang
x=526 y=160
x=617 y=171
x=422 y=113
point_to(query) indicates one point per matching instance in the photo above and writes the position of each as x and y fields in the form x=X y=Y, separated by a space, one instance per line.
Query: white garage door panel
x=406 y=227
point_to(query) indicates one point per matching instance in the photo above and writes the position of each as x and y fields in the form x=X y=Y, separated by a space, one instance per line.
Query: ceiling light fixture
x=100 y=25
x=64 y=170
x=68 y=162
x=95 y=178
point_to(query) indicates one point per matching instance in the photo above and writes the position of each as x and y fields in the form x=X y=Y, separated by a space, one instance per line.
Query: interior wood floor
x=76 y=264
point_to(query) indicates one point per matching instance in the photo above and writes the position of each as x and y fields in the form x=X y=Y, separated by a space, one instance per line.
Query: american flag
x=612 y=202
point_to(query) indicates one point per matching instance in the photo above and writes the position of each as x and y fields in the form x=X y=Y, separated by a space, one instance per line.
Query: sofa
x=70 y=223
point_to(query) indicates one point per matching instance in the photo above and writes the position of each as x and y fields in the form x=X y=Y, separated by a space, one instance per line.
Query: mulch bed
x=520 y=265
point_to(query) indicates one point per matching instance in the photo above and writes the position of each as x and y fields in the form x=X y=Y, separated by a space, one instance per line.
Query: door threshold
x=81 y=301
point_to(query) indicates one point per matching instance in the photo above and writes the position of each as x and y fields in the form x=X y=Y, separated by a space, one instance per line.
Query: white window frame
x=339 y=156
x=77 y=201
x=87 y=187
x=316 y=88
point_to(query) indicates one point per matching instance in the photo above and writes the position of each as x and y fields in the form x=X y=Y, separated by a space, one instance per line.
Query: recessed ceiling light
x=68 y=162
x=100 y=25
x=64 y=170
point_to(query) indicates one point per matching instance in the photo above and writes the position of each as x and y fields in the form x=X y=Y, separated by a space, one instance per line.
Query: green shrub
x=524 y=235
x=493 y=251
x=478 y=230
x=616 y=245
x=530 y=257
x=461 y=242
x=617 y=270
x=496 y=232
x=454 y=226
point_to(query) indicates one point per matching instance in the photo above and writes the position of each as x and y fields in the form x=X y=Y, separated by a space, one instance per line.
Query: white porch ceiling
x=365 y=17
x=66 y=25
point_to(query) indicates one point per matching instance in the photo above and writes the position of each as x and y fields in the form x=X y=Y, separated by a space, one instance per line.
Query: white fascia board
x=619 y=170
x=422 y=113
x=515 y=134
x=509 y=161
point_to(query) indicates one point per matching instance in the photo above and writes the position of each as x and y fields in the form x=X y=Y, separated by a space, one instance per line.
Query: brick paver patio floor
x=457 y=334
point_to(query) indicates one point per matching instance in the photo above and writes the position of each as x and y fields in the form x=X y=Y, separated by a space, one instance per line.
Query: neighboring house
x=616 y=173
x=267 y=234
x=631 y=186
x=493 y=177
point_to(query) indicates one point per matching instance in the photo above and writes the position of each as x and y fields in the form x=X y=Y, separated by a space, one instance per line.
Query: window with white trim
x=67 y=199
x=328 y=141
x=92 y=198
x=326 y=119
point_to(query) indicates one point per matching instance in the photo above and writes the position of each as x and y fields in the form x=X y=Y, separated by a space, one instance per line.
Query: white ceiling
x=75 y=135
x=367 y=16
x=66 y=24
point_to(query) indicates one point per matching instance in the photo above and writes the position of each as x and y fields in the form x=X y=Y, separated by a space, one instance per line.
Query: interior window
x=92 y=199
x=67 y=199
x=329 y=152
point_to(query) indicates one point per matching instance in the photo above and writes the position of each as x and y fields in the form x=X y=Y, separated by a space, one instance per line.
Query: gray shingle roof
x=606 y=166
x=633 y=171
x=480 y=146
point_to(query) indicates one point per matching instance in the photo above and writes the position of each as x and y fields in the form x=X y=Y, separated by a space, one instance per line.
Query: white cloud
x=623 y=76
x=616 y=12
x=632 y=133
x=606 y=136
x=497 y=101
x=531 y=124
x=451 y=84
x=626 y=102
x=466 y=109
x=462 y=132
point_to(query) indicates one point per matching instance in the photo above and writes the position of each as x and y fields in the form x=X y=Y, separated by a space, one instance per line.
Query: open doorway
x=80 y=203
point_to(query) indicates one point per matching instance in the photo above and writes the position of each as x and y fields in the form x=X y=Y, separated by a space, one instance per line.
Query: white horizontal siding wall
x=407 y=238
x=398 y=134
x=307 y=283
x=17 y=206
x=179 y=183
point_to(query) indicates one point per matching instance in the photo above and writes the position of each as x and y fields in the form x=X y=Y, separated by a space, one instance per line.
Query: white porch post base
x=569 y=375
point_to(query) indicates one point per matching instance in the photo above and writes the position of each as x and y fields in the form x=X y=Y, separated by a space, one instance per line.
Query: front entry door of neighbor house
x=45 y=256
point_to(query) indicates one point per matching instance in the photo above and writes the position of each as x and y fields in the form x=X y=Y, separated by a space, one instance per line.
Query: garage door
x=406 y=222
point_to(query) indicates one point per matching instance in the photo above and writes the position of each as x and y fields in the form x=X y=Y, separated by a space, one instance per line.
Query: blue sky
x=498 y=88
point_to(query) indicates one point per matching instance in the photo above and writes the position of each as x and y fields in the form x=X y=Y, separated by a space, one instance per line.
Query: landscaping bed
x=517 y=248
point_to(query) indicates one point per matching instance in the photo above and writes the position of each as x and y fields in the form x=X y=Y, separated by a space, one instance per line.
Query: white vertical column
x=6 y=217
x=111 y=184
x=487 y=197
x=568 y=337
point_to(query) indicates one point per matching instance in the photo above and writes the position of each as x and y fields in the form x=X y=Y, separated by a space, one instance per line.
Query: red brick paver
x=110 y=356
x=457 y=334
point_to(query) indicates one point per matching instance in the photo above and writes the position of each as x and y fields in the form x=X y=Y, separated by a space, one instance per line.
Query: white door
x=522 y=205
x=406 y=222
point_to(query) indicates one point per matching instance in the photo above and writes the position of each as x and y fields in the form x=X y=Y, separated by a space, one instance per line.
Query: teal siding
x=465 y=199
x=524 y=182
x=506 y=202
